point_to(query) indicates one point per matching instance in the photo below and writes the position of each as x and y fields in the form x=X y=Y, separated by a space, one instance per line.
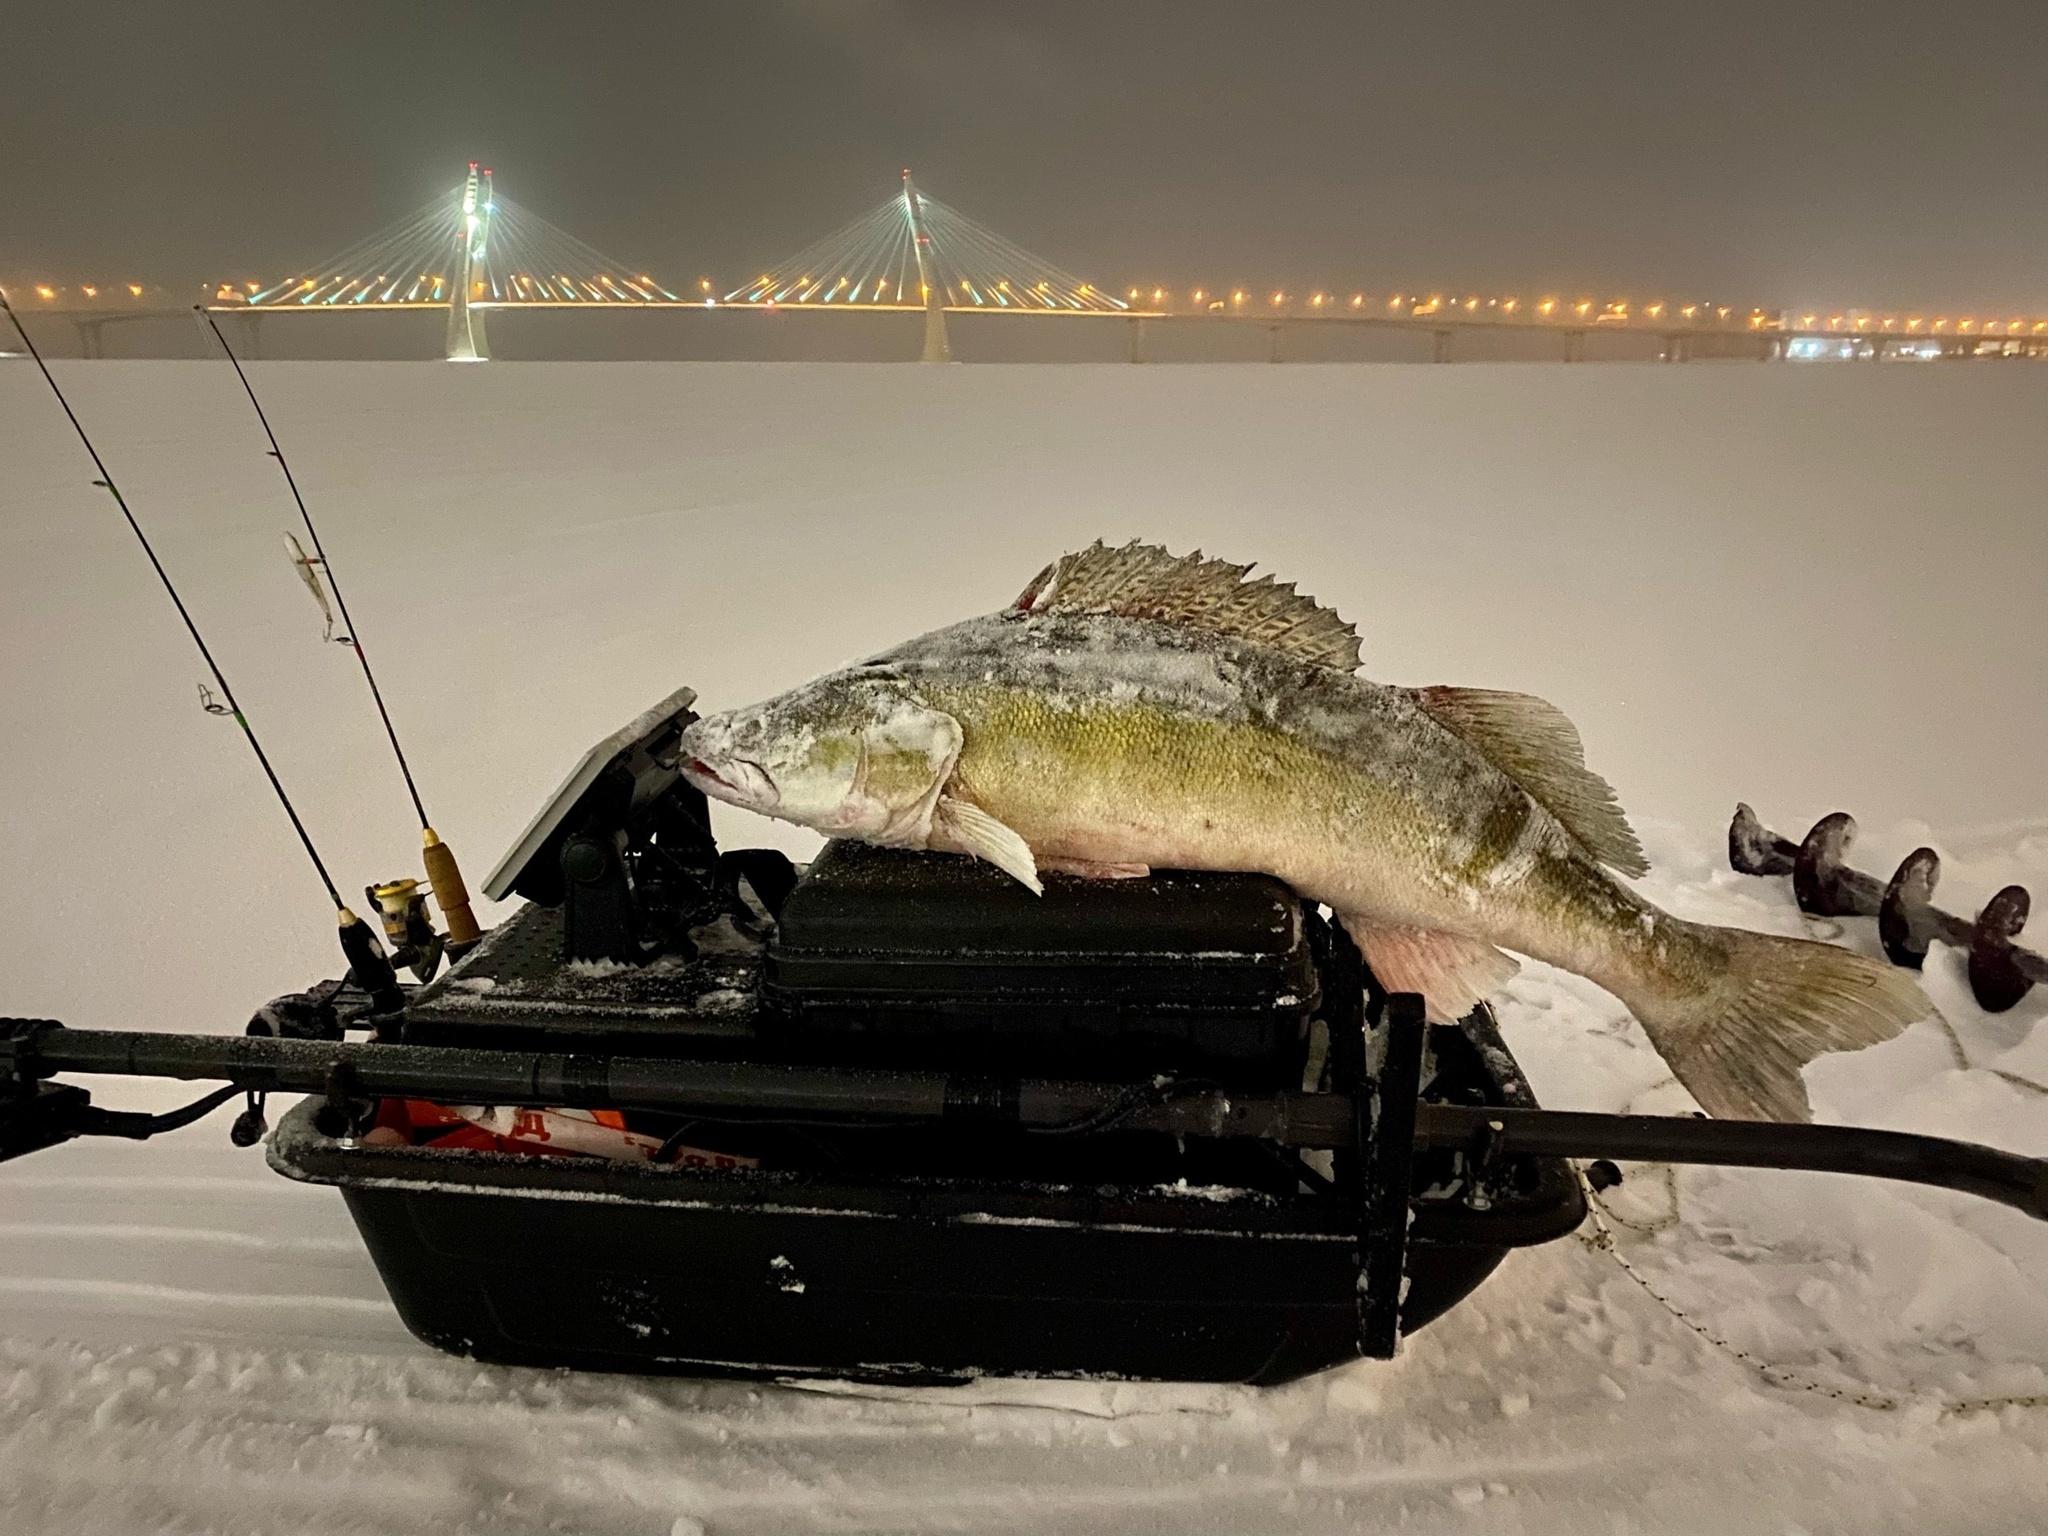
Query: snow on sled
x=687 y=1110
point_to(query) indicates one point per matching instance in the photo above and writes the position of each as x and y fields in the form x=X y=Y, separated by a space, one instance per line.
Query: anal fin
x=1454 y=974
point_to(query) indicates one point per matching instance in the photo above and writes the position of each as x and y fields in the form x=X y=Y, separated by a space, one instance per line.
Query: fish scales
x=1128 y=741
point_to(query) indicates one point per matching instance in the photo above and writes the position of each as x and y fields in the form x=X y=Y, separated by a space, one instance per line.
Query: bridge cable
x=234 y=710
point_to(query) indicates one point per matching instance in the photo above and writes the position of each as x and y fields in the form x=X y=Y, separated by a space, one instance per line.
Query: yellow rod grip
x=450 y=894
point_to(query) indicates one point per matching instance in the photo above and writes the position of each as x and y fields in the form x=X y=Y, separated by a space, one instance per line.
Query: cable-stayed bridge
x=472 y=251
x=913 y=252
x=468 y=251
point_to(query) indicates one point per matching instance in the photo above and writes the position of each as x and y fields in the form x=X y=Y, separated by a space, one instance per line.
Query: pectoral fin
x=960 y=826
x=1454 y=974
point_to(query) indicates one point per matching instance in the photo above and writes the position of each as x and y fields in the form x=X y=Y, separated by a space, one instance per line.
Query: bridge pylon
x=468 y=251
x=466 y=340
x=912 y=253
x=937 y=349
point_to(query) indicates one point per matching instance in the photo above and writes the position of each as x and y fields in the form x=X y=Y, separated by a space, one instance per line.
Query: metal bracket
x=1387 y=1145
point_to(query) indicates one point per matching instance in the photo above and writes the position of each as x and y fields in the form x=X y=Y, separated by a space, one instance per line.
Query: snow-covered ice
x=1807 y=588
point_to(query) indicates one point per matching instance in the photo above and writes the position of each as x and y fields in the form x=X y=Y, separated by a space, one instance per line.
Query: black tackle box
x=878 y=952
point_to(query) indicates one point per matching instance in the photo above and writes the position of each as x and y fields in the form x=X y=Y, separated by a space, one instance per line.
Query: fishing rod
x=443 y=876
x=365 y=953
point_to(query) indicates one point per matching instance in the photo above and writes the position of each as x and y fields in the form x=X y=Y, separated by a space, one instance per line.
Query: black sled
x=914 y=1123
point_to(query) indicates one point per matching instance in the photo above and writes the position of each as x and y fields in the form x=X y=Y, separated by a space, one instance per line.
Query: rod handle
x=450 y=894
x=368 y=963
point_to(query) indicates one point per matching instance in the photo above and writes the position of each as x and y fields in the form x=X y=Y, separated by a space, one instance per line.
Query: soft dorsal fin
x=1143 y=581
x=1533 y=743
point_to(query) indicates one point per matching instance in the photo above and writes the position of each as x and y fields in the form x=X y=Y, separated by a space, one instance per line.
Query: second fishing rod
x=368 y=964
x=444 y=878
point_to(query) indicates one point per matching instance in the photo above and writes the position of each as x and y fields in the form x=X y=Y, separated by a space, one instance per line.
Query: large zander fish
x=1133 y=709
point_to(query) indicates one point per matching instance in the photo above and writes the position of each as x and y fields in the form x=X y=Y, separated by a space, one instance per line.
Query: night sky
x=1784 y=154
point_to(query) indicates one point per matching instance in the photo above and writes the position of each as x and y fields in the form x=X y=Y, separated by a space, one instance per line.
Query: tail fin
x=1769 y=1006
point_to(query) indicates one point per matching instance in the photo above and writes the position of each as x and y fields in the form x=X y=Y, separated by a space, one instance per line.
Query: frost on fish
x=1143 y=581
x=1136 y=710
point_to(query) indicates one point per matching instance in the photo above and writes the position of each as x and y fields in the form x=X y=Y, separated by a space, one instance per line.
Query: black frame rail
x=36 y=1112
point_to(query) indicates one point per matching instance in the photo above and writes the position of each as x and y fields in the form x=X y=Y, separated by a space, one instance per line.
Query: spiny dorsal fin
x=1533 y=743
x=1143 y=581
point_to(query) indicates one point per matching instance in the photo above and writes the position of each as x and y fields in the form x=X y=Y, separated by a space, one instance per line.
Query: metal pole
x=33 y=1050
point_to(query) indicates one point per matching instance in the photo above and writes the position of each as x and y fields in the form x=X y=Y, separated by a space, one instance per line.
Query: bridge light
x=1198 y=293
x=1317 y=301
x=1278 y=297
x=1656 y=310
x=1158 y=294
x=135 y=289
x=1722 y=311
x=1913 y=322
x=1508 y=305
x=1238 y=297
x=89 y=291
x=1806 y=320
x=43 y=291
x=1547 y=306
x=1357 y=300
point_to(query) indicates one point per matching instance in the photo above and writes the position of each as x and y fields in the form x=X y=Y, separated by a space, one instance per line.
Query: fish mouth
x=739 y=783
x=697 y=768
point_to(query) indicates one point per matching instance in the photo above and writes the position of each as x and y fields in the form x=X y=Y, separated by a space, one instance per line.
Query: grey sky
x=1796 y=154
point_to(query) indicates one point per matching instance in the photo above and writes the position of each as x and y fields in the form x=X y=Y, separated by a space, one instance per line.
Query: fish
x=1134 y=710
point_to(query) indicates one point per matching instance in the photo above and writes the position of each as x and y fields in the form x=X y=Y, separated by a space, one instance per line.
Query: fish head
x=852 y=755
